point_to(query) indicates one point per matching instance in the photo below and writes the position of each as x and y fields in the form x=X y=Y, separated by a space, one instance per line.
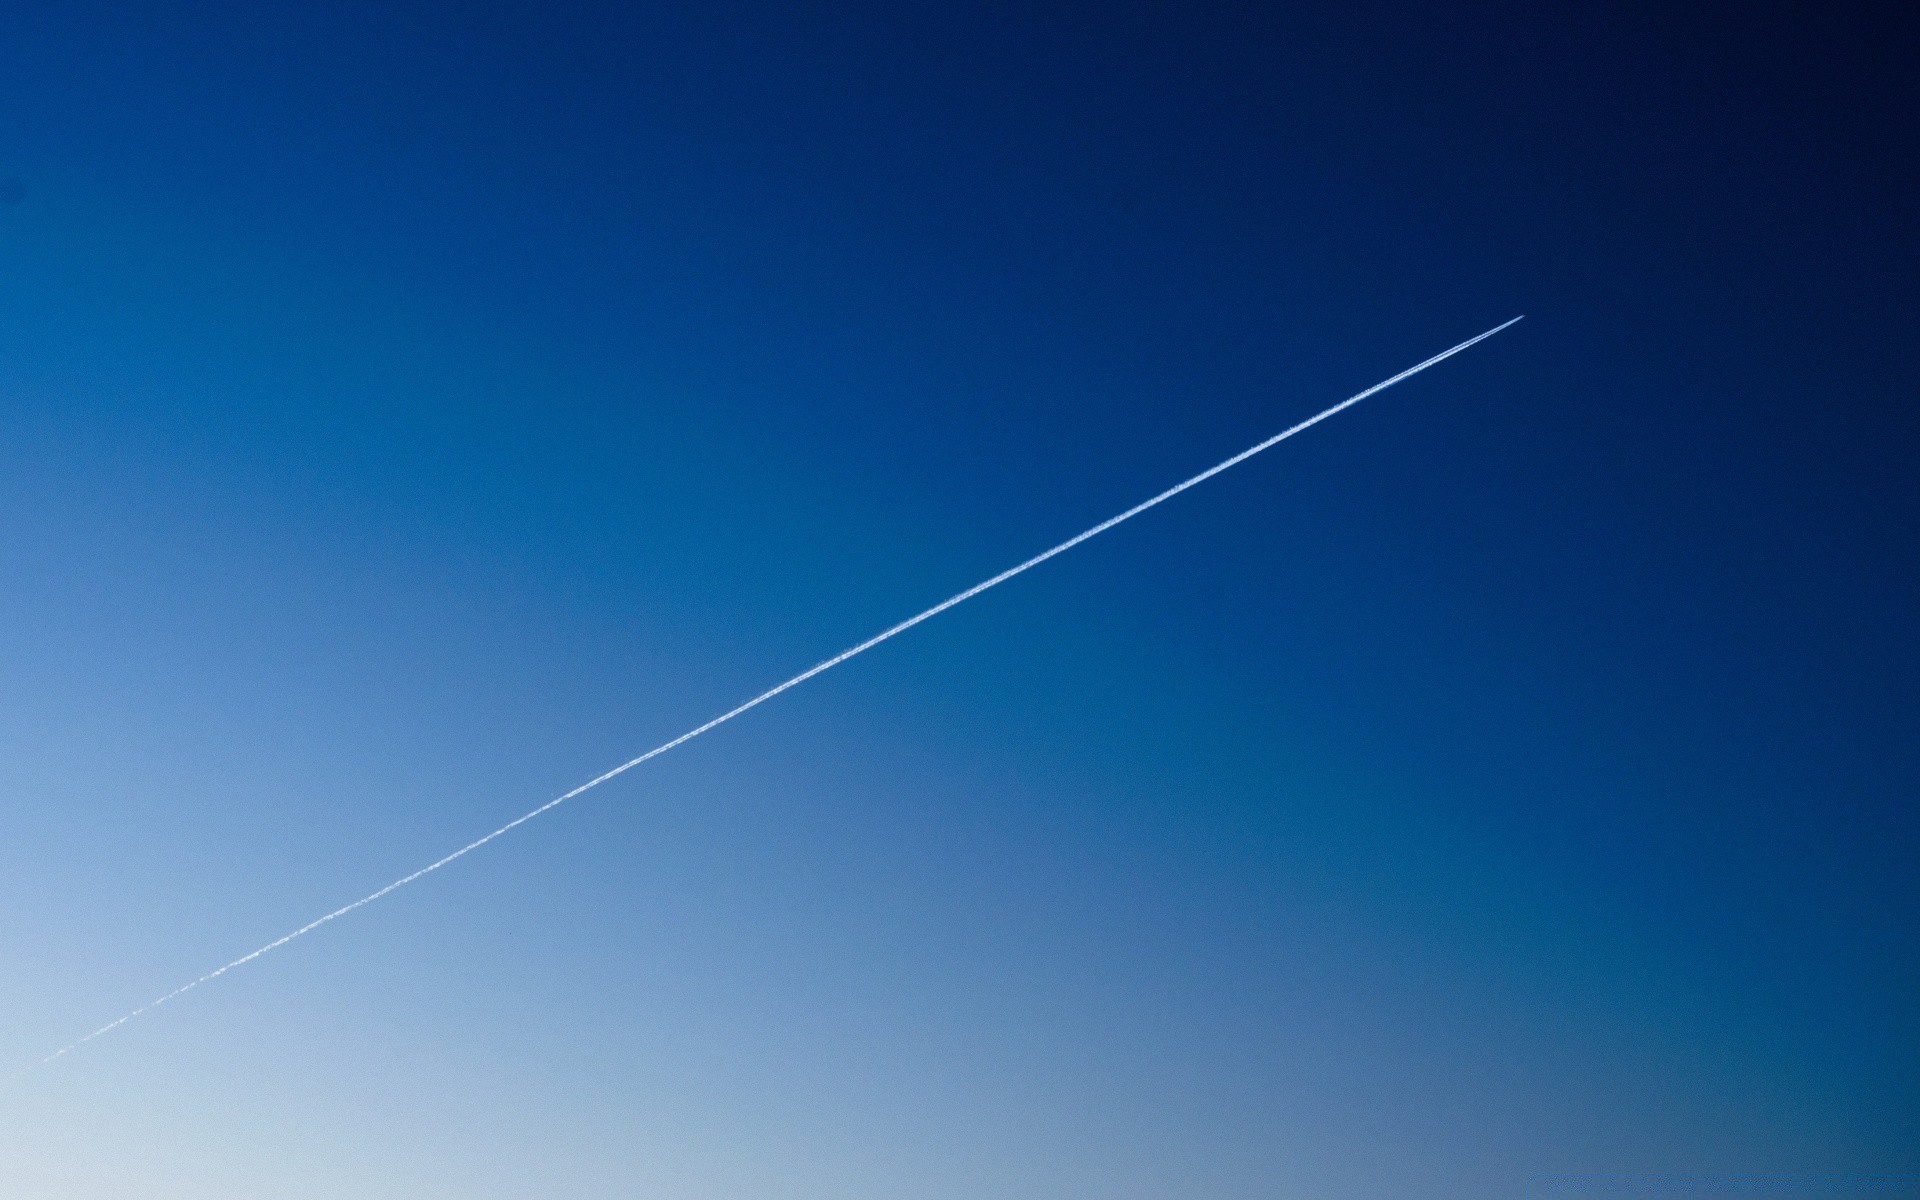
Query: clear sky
x=409 y=412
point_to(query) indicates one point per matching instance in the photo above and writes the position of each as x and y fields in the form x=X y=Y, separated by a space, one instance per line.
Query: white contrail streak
x=771 y=692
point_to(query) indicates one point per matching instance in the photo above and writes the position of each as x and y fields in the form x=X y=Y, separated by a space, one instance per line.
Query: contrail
x=771 y=692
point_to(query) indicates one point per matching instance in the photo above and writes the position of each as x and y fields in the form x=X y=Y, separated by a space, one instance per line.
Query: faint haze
x=408 y=410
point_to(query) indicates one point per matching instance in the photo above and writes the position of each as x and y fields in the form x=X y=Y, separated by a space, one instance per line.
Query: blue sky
x=407 y=413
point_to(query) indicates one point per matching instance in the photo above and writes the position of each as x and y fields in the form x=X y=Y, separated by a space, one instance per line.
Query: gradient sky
x=409 y=412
